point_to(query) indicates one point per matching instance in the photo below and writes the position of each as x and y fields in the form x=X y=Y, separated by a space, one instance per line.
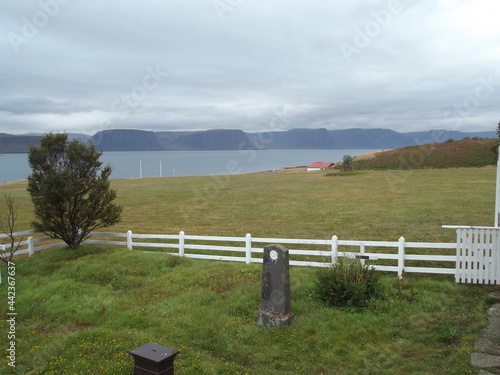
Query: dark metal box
x=153 y=359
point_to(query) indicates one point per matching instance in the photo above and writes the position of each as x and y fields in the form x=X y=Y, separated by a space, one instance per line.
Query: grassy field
x=80 y=312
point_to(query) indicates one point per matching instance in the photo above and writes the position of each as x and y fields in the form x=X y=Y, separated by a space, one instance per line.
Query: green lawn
x=80 y=312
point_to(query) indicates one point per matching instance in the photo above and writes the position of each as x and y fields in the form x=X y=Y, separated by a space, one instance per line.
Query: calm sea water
x=128 y=164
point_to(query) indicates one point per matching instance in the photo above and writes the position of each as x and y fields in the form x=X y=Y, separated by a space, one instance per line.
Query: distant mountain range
x=230 y=139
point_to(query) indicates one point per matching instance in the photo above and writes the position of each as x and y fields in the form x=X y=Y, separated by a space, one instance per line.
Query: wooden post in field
x=335 y=248
x=31 y=247
x=401 y=257
x=248 y=248
x=181 y=243
x=497 y=199
x=129 y=240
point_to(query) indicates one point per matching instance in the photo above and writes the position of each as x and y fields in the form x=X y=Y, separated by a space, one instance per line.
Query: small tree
x=347 y=283
x=347 y=163
x=71 y=193
x=7 y=226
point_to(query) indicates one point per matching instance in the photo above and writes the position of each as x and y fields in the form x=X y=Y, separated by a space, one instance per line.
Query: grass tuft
x=347 y=283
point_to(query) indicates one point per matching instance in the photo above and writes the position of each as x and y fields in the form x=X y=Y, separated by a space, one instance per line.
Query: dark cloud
x=202 y=64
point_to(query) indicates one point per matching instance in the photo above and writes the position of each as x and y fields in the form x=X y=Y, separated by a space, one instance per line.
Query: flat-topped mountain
x=217 y=139
x=126 y=140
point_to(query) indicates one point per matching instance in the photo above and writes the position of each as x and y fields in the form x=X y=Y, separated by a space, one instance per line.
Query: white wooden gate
x=478 y=255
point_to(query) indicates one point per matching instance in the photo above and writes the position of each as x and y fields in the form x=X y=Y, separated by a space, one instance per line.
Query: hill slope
x=450 y=154
x=17 y=144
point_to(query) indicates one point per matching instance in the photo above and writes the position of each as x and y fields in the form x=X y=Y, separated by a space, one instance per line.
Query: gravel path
x=487 y=348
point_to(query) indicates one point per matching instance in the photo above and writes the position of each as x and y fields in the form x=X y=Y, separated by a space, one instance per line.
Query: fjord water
x=130 y=164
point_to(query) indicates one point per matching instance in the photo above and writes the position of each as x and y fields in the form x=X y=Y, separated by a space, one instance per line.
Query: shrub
x=348 y=283
x=347 y=163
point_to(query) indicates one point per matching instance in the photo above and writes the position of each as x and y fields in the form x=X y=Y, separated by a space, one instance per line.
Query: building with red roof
x=319 y=166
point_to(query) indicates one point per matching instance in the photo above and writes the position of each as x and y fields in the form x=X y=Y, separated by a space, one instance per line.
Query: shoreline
x=291 y=169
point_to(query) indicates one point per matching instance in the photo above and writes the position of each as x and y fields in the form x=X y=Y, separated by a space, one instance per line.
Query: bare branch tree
x=7 y=226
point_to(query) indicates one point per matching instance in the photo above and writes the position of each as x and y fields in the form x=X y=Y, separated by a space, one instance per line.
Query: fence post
x=31 y=248
x=248 y=248
x=362 y=253
x=497 y=195
x=181 y=243
x=401 y=257
x=2 y=248
x=335 y=248
x=129 y=240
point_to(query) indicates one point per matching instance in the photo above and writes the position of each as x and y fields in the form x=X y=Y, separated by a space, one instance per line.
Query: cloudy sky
x=407 y=65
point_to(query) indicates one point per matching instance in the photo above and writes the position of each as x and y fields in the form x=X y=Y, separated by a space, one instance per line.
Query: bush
x=347 y=163
x=348 y=283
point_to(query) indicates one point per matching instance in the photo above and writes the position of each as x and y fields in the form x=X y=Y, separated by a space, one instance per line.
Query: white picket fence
x=472 y=259
x=478 y=254
x=324 y=253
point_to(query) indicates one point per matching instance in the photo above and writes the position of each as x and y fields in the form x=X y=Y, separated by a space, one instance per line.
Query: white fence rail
x=383 y=256
x=390 y=256
x=30 y=245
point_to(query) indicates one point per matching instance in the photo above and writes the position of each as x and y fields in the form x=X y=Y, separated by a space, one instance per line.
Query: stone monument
x=275 y=300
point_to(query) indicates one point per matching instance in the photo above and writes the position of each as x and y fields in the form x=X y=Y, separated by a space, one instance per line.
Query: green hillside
x=450 y=154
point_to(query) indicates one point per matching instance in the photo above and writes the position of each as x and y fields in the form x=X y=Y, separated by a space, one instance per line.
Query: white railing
x=478 y=257
x=28 y=245
x=324 y=252
x=396 y=256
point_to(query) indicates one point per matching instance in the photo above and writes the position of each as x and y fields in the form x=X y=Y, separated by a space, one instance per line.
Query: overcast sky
x=89 y=65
